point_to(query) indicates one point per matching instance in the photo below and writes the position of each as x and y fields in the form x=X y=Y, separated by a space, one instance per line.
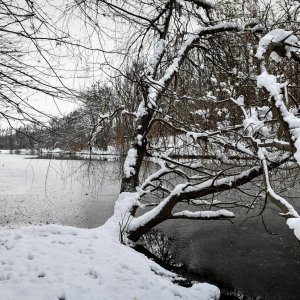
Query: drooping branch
x=284 y=205
x=163 y=211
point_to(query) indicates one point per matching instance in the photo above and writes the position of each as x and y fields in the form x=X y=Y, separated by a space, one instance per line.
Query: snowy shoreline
x=62 y=262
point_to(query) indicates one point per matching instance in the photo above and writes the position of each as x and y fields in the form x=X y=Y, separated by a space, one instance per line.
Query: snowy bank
x=57 y=262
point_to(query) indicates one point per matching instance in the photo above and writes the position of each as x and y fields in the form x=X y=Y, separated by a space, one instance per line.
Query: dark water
x=241 y=256
x=245 y=257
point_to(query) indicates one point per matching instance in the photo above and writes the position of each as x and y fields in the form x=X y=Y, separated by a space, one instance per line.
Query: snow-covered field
x=58 y=262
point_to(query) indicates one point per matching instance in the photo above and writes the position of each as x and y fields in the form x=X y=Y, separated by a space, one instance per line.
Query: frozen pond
x=241 y=256
x=67 y=192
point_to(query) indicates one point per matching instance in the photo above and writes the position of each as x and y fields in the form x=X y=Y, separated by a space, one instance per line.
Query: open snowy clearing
x=58 y=262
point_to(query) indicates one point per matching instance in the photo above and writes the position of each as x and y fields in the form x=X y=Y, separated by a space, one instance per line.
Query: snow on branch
x=221 y=140
x=284 y=43
x=155 y=57
x=294 y=223
x=130 y=162
x=203 y=215
x=251 y=123
x=289 y=120
x=190 y=41
x=202 y=3
x=204 y=202
x=155 y=176
x=269 y=44
x=282 y=203
x=156 y=87
x=126 y=203
x=187 y=191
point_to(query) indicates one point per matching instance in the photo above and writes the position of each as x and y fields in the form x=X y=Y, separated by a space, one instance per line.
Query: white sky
x=76 y=67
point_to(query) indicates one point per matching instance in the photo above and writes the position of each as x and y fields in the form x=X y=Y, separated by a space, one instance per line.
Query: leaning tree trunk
x=130 y=180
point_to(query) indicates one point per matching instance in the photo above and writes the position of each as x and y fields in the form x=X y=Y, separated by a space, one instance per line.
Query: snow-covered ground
x=58 y=262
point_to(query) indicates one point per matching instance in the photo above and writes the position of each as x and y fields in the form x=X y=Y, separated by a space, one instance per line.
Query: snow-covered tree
x=210 y=114
x=196 y=91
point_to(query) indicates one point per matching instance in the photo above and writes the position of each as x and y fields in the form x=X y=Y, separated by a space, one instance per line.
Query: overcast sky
x=63 y=65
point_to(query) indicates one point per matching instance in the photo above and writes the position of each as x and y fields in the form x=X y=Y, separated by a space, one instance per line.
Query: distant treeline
x=74 y=132
x=11 y=139
x=97 y=124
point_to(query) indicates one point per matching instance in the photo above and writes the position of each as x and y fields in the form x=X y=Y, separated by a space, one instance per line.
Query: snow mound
x=57 y=262
x=294 y=223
